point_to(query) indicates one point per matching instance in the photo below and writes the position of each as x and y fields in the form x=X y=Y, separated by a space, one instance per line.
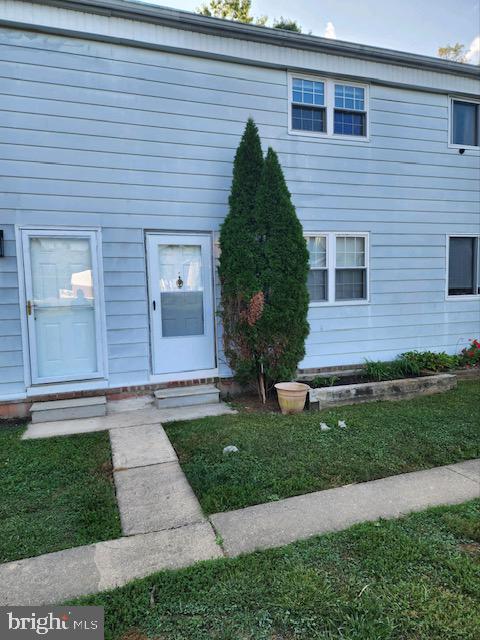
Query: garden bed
x=405 y=388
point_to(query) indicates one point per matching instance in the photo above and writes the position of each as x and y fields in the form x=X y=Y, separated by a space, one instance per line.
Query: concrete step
x=187 y=396
x=73 y=409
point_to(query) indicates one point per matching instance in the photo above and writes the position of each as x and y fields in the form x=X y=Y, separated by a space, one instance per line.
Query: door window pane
x=461 y=266
x=63 y=298
x=181 y=290
x=465 y=123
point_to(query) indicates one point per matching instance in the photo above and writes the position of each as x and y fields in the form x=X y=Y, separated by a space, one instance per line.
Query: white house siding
x=130 y=139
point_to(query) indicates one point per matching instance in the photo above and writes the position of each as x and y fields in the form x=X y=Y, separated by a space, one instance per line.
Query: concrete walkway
x=277 y=523
x=153 y=493
x=58 y=576
x=163 y=524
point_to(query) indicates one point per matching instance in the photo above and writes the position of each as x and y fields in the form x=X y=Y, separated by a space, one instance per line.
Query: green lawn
x=412 y=579
x=281 y=456
x=54 y=493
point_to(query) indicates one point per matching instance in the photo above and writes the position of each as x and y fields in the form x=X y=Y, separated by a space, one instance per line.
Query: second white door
x=181 y=303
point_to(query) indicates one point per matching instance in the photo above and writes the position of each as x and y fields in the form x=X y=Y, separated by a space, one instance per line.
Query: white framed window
x=339 y=268
x=327 y=107
x=463 y=266
x=464 y=123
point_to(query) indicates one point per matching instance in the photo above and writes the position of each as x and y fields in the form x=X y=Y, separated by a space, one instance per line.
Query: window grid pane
x=317 y=249
x=350 y=251
x=348 y=97
x=348 y=123
x=308 y=91
x=308 y=118
x=317 y=283
x=350 y=284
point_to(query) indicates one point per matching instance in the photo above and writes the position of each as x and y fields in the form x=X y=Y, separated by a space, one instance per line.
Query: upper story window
x=464 y=266
x=308 y=105
x=349 y=116
x=464 y=123
x=328 y=108
x=338 y=268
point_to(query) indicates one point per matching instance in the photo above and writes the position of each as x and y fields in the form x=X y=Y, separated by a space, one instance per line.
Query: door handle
x=29 y=307
x=154 y=305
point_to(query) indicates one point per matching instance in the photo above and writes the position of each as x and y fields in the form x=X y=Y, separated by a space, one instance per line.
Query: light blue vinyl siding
x=131 y=140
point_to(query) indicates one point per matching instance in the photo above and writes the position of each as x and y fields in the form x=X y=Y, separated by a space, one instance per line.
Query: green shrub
x=430 y=361
x=320 y=381
x=263 y=271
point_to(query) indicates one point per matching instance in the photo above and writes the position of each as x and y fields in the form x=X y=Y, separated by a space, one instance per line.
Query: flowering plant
x=470 y=356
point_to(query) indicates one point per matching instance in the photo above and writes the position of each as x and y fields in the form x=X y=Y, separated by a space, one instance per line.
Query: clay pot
x=291 y=396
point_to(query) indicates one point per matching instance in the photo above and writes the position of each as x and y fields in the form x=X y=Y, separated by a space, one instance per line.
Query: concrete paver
x=140 y=446
x=278 y=523
x=155 y=498
x=59 y=576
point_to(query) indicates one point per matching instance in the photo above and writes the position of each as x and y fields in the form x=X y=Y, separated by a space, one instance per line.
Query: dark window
x=349 y=116
x=308 y=118
x=465 y=117
x=349 y=124
x=308 y=105
x=463 y=266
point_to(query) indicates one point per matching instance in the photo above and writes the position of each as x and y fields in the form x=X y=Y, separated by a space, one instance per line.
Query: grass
x=281 y=456
x=412 y=579
x=54 y=493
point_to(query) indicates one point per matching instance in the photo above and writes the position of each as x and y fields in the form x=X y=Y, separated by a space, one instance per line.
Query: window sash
x=342 y=116
x=463 y=277
x=344 y=278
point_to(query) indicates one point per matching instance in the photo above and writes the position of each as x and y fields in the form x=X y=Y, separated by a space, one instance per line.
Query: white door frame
x=23 y=233
x=193 y=374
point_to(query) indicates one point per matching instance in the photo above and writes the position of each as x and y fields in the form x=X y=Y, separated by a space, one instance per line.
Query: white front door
x=181 y=303
x=61 y=290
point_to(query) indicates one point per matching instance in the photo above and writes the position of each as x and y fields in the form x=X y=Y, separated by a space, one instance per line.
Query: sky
x=418 y=26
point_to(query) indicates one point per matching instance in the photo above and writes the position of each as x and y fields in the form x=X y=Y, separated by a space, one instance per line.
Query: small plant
x=470 y=356
x=318 y=381
x=430 y=360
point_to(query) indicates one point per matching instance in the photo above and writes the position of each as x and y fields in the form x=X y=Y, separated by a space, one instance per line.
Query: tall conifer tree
x=238 y=265
x=282 y=327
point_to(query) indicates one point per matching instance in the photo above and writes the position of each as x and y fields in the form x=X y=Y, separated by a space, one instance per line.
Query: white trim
x=329 y=107
x=452 y=145
x=472 y=296
x=23 y=232
x=67 y=387
x=331 y=237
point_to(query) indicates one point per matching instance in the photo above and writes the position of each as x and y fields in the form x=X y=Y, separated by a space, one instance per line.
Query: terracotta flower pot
x=291 y=396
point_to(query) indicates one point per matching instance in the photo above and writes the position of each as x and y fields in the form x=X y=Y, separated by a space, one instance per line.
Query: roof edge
x=215 y=26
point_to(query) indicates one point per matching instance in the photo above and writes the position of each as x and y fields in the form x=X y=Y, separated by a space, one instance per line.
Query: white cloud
x=330 y=31
x=473 y=54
